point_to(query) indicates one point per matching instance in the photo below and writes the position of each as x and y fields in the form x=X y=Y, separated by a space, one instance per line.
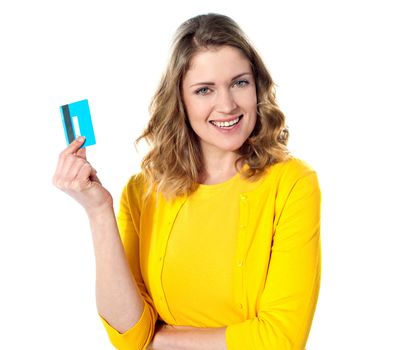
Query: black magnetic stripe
x=68 y=123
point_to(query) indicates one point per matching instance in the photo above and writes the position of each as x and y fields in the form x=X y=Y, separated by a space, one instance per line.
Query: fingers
x=82 y=180
x=73 y=172
x=74 y=146
x=76 y=177
x=81 y=152
x=64 y=159
x=71 y=149
x=66 y=174
x=93 y=176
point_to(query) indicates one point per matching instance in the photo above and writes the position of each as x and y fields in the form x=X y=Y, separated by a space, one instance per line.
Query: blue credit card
x=76 y=119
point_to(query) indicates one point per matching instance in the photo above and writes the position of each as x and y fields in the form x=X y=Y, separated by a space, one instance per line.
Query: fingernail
x=80 y=139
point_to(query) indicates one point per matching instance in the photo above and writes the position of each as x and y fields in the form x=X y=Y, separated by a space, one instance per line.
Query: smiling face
x=219 y=94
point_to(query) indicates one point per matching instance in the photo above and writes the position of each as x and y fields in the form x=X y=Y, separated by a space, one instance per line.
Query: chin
x=231 y=147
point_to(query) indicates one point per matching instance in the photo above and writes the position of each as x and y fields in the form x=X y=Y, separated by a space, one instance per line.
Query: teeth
x=226 y=124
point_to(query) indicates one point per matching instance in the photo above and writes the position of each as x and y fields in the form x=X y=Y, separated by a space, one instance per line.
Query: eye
x=241 y=83
x=202 y=91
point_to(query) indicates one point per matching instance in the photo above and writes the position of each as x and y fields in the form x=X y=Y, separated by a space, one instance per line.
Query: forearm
x=118 y=298
x=189 y=338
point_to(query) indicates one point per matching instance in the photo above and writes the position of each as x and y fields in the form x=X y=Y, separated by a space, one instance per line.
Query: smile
x=227 y=124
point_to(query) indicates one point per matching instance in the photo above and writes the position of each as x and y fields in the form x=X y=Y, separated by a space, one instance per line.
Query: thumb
x=81 y=153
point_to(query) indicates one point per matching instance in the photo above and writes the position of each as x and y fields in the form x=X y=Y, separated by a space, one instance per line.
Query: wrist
x=100 y=212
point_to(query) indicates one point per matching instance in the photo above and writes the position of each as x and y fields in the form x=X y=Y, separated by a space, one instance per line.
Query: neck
x=218 y=168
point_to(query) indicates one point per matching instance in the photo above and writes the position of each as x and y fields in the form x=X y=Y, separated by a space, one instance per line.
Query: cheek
x=252 y=100
x=247 y=99
x=189 y=108
x=197 y=111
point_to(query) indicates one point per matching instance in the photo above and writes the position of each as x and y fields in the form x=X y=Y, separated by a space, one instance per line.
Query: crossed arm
x=188 y=338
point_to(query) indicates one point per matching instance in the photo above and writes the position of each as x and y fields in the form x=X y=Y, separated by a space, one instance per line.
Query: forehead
x=217 y=62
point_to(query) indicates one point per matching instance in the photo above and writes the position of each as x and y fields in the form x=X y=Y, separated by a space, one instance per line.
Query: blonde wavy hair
x=174 y=162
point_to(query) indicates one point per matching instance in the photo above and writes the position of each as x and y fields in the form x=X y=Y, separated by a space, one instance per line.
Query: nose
x=225 y=102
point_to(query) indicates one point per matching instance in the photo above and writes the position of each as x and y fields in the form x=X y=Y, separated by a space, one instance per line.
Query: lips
x=228 y=123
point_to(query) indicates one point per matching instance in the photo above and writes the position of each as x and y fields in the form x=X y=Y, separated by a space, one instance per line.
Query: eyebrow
x=211 y=83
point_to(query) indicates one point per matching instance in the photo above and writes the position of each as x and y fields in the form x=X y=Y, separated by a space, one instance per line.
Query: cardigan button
x=240 y=263
x=243 y=197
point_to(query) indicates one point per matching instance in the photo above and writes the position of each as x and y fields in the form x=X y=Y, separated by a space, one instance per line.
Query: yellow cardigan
x=241 y=254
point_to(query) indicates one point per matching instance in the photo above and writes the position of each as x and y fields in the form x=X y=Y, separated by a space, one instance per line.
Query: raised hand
x=75 y=176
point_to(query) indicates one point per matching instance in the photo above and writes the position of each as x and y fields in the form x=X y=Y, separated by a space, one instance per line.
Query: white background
x=336 y=67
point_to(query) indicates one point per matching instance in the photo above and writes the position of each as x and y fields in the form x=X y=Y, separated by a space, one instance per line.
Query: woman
x=216 y=245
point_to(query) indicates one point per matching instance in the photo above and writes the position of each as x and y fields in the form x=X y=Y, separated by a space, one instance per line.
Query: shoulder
x=292 y=168
x=283 y=177
x=299 y=182
x=290 y=171
x=135 y=188
x=136 y=181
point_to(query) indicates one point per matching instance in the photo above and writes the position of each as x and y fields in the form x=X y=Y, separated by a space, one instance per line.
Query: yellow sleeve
x=291 y=290
x=140 y=335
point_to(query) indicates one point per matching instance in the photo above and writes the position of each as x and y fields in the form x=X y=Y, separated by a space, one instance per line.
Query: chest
x=216 y=249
